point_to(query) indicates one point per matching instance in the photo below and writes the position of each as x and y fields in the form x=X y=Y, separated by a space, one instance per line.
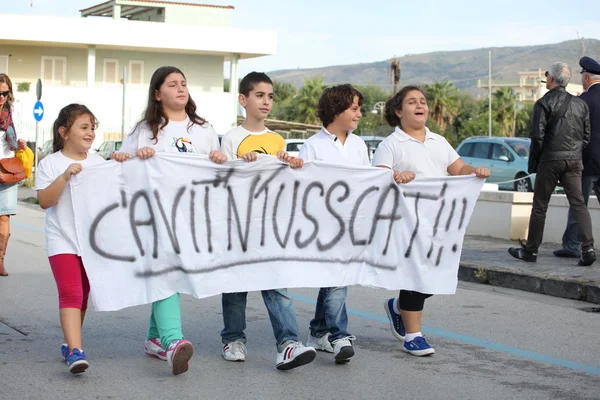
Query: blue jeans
x=330 y=314
x=281 y=312
x=570 y=239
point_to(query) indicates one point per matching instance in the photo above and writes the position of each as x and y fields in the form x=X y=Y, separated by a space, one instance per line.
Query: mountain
x=463 y=68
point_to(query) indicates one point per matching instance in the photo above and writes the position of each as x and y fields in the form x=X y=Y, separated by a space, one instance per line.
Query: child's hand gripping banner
x=182 y=224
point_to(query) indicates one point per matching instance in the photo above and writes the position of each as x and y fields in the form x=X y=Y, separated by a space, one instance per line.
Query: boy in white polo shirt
x=339 y=111
x=412 y=151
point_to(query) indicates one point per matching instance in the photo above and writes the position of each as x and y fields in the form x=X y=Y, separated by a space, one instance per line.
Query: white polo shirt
x=324 y=146
x=401 y=152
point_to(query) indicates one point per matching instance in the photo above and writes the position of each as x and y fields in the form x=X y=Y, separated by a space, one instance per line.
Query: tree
x=283 y=91
x=503 y=110
x=444 y=103
x=283 y=108
x=372 y=94
x=305 y=103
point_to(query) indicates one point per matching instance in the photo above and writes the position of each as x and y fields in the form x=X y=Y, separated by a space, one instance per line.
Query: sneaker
x=343 y=350
x=178 y=355
x=153 y=348
x=588 y=257
x=64 y=351
x=418 y=347
x=396 y=323
x=522 y=254
x=320 y=344
x=234 y=351
x=295 y=355
x=77 y=362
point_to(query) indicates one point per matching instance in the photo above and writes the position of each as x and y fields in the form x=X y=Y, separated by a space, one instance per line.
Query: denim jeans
x=281 y=312
x=330 y=314
x=570 y=239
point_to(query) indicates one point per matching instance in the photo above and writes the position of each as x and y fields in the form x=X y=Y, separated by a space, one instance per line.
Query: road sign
x=38 y=111
x=38 y=89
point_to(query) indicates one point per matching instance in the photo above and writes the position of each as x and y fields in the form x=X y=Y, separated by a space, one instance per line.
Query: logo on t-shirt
x=183 y=145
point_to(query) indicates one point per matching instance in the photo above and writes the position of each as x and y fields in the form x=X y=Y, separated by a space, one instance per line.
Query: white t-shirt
x=401 y=152
x=176 y=137
x=60 y=220
x=5 y=151
x=325 y=146
x=240 y=141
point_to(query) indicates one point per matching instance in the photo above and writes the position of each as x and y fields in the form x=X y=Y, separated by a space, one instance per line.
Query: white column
x=91 y=66
x=117 y=11
x=233 y=85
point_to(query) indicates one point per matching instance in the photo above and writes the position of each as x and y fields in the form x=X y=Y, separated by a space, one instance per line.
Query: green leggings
x=165 y=321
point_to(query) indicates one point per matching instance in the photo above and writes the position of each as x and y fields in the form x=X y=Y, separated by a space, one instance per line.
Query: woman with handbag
x=8 y=145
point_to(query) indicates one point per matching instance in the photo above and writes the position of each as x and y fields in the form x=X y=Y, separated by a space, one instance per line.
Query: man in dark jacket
x=590 y=79
x=559 y=133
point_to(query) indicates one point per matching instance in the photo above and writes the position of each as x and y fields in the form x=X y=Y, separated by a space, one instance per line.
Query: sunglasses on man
x=5 y=94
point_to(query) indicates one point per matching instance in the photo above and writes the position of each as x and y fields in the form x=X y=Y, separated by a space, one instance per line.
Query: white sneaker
x=295 y=355
x=235 y=351
x=343 y=350
x=153 y=348
x=178 y=355
x=320 y=344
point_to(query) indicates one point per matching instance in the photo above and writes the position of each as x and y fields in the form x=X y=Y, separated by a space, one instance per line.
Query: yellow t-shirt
x=240 y=141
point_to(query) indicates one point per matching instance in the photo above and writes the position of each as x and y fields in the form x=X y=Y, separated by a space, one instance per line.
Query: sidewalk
x=486 y=260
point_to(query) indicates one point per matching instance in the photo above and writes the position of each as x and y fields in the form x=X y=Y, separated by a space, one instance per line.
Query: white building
x=81 y=59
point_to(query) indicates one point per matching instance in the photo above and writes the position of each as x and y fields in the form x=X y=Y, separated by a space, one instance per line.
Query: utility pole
x=490 y=95
x=395 y=74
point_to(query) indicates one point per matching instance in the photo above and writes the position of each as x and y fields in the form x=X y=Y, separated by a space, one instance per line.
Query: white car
x=293 y=146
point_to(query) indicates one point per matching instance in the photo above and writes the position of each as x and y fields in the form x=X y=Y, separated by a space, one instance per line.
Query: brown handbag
x=11 y=170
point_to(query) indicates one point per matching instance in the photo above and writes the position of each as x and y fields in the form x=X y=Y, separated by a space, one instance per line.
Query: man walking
x=560 y=131
x=590 y=79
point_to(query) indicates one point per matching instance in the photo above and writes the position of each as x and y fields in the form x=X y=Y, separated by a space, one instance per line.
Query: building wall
x=155 y=15
x=25 y=65
x=204 y=16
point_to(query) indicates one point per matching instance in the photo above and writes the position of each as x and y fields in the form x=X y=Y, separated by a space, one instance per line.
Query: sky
x=316 y=33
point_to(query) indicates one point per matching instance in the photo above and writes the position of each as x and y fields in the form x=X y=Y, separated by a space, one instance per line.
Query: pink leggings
x=71 y=281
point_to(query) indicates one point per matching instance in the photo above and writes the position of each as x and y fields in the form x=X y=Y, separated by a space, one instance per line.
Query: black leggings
x=412 y=301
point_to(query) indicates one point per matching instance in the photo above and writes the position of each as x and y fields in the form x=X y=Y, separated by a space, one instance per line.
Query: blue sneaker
x=418 y=347
x=396 y=323
x=77 y=362
x=64 y=351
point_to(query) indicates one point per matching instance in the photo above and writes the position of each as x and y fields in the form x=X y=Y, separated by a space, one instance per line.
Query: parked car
x=293 y=146
x=372 y=142
x=106 y=149
x=45 y=150
x=506 y=157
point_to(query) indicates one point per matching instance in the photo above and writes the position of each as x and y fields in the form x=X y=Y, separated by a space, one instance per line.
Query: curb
x=551 y=285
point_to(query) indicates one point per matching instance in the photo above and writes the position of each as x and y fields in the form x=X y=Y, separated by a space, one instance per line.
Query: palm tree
x=444 y=103
x=307 y=99
x=503 y=107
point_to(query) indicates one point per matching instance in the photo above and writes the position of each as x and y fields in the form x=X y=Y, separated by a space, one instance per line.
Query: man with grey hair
x=590 y=79
x=559 y=133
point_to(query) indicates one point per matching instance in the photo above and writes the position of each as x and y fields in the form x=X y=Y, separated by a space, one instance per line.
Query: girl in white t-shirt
x=412 y=151
x=73 y=137
x=170 y=124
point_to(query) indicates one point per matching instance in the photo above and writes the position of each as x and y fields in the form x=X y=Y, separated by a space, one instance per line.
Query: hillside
x=461 y=67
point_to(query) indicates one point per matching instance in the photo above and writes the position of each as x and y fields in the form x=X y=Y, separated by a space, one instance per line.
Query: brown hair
x=154 y=116
x=11 y=98
x=335 y=100
x=395 y=104
x=66 y=117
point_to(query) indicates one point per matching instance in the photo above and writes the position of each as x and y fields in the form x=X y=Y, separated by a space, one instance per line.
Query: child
x=412 y=151
x=339 y=111
x=170 y=124
x=245 y=141
x=73 y=137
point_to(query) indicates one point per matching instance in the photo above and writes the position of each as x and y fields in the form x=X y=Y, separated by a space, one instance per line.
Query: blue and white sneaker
x=396 y=323
x=418 y=347
x=64 y=351
x=77 y=362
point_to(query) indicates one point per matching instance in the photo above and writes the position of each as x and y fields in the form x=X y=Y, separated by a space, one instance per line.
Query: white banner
x=183 y=224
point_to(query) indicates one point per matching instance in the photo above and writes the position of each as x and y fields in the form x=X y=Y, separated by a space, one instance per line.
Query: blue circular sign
x=38 y=111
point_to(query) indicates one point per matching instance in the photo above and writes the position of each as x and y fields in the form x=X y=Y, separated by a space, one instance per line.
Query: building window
x=54 y=70
x=136 y=72
x=111 y=72
x=3 y=64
